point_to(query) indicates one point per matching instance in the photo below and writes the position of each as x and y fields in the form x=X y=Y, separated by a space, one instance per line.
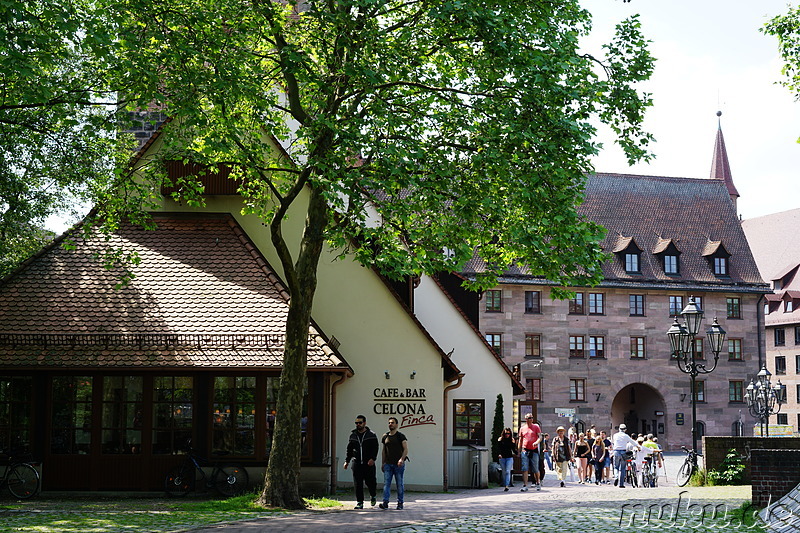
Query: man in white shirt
x=620 y=442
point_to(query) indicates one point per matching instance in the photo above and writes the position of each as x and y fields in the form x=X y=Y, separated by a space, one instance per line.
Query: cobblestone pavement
x=572 y=508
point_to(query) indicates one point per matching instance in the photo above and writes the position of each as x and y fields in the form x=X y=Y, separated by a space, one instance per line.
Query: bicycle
x=688 y=467
x=228 y=480
x=630 y=470
x=20 y=476
x=649 y=473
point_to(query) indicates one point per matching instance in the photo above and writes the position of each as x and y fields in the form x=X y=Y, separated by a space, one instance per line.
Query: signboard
x=565 y=412
x=775 y=430
x=679 y=419
x=405 y=404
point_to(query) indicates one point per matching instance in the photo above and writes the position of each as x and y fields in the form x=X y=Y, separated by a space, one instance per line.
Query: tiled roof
x=773 y=239
x=202 y=296
x=648 y=210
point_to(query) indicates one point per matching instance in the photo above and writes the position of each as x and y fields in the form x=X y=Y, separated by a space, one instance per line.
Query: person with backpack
x=561 y=453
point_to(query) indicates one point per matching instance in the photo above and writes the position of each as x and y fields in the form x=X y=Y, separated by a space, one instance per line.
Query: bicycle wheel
x=631 y=478
x=685 y=473
x=647 y=477
x=179 y=480
x=23 y=481
x=231 y=480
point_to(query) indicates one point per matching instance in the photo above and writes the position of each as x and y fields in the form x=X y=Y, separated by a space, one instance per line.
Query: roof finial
x=719 y=120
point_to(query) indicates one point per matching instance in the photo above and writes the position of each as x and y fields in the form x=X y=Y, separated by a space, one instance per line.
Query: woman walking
x=582 y=451
x=562 y=453
x=599 y=454
x=508 y=449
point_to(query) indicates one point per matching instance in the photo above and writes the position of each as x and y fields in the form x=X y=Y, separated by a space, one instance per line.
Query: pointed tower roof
x=720 y=168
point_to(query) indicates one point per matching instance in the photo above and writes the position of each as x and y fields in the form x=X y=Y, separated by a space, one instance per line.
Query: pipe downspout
x=334 y=461
x=447 y=389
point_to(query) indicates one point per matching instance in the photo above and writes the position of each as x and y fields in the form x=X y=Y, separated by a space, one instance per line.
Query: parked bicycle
x=20 y=476
x=228 y=480
x=688 y=468
x=649 y=472
x=630 y=470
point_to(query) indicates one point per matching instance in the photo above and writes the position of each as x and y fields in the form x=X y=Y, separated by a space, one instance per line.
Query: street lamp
x=763 y=398
x=682 y=337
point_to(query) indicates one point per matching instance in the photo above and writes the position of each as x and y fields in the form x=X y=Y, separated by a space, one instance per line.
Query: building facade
x=773 y=240
x=603 y=357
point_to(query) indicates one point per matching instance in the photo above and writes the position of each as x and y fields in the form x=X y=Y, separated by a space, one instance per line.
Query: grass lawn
x=152 y=515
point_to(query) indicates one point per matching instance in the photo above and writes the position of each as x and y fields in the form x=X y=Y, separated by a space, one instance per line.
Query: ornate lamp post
x=763 y=398
x=682 y=341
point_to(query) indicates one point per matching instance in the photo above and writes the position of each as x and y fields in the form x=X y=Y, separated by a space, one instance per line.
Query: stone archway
x=640 y=407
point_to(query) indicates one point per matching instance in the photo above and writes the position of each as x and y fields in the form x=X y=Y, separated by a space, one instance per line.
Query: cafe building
x=108 y=368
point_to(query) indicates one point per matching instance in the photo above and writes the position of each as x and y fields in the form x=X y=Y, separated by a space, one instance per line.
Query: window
x=72 y=415
x=172 y=413
x=783 y=419
x=636 y=304
x=576 y=304
x=469 y=423
x=788 y=306
x=495 y=340
x=637 y=347
x=632 y=263
x=735 y=349
x=670 y=264
x=797 y=393
x=534 y=392
x=233 y=415
x=596 y=345
x=577 y=390
x=797 y=368
x=533 y=302
x=699 y=301
x=698 y=349
x=576 y=346
x=797 y=334
x=736 y=391
x=16 y=402
x=780 y=364
x=596 y=304
x=721 y=266
x=122 y=414
x=675 y=305
x=493 y=298
x=271 y=406
x=766 y=309
x=700 y=391
x=780 y=337
x=532 y=345
x=734 y=307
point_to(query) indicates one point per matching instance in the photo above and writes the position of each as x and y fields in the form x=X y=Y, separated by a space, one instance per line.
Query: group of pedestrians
x=592 y=454
x=362 y=454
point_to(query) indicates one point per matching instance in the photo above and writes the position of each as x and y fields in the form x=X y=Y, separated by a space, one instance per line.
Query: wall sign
x=679 y=419
x=407 y=405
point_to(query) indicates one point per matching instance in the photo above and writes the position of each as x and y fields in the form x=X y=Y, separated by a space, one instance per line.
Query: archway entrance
x=640 y=407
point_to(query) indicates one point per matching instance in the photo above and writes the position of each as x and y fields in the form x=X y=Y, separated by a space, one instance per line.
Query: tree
x=787 y=29
x=58 y=142
x=497 y=426
x=464 y=127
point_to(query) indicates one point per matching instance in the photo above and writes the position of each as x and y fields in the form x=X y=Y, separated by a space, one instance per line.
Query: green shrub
x=729 y=472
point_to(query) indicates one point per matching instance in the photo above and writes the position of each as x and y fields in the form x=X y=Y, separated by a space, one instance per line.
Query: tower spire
x=720 y=168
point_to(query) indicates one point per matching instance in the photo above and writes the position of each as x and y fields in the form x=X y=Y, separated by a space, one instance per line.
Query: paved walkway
x=572 y=508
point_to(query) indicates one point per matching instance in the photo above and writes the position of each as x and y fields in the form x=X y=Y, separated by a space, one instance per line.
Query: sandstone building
x=603 y=357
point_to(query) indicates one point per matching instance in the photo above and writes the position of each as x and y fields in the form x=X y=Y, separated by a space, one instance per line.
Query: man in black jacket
x=362 y=451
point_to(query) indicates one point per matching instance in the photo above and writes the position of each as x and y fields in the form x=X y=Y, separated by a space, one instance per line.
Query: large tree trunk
x=281 y=483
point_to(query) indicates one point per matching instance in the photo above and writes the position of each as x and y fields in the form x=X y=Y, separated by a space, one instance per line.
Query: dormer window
x=720 y=266
x=718 y=258
x=670 y=264
x=669 y=255
x=788 y=306
x=632 y=263
x=629 y=253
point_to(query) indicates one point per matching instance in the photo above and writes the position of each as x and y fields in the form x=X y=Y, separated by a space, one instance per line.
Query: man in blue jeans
x=621 y=441
x=395 y=452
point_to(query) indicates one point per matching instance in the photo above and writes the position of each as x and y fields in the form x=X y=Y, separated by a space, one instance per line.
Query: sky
x=710 y=56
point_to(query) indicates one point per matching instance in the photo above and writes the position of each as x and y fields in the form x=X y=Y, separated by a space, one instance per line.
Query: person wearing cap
x=620 y=442
x=562 y=454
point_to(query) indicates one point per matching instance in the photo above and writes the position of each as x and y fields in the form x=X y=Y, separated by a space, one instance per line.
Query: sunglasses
x=358 y=422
